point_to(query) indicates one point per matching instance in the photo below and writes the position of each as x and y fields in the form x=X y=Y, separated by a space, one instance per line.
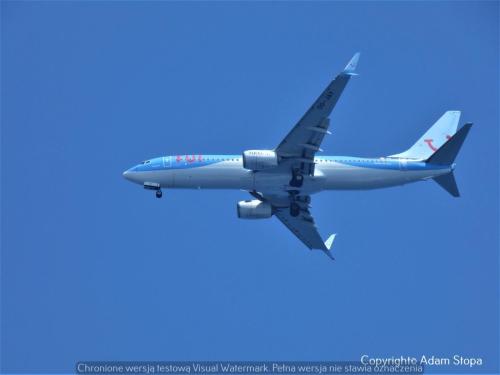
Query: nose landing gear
x=154 y=186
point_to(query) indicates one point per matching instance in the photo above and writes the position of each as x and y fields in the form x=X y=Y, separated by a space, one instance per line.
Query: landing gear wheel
x=297 y=178
x=159 y=194
x=294 y=209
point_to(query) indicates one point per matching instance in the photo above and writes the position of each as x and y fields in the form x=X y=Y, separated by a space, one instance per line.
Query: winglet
x=351 y=66
x=328 y=246
x=329 y=241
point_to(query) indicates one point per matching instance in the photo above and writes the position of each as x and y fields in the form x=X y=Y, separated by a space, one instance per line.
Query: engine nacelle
x=254 y=209
x=257 y=160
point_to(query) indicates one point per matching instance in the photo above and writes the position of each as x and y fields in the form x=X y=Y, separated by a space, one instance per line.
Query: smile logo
x=431 y=146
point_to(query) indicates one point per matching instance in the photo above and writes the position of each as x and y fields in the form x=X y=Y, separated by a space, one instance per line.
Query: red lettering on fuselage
x=189 y=158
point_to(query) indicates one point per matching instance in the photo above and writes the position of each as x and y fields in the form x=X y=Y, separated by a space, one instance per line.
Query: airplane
x=282 y=180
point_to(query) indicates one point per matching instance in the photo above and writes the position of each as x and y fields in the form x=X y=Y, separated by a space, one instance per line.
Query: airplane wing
x=303 y=225
x=304 y=140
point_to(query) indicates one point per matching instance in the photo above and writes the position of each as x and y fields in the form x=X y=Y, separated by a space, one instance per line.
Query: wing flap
x=303 y=228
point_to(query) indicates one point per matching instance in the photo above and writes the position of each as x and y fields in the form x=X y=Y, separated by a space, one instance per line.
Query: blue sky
x=93 y=267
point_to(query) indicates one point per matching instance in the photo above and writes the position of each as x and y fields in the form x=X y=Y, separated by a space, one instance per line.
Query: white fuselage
x=330 y=173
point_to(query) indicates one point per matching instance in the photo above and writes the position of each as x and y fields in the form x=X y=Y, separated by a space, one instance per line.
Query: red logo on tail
x=429 y=143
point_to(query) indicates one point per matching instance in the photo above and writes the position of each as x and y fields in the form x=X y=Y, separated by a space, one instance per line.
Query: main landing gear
x=154 y=186
x=297 y=178
x=294 y=203
x=298 y=202
x=294 y=209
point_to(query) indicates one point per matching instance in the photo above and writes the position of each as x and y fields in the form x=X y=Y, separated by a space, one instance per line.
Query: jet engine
x=254 y=209
x=257 y=160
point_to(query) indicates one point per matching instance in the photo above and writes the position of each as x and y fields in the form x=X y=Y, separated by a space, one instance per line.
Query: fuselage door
x=167 y=161
x=403 y=164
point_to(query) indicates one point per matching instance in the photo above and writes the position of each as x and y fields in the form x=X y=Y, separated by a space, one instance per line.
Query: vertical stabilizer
x=448 y=152
x=434 y=138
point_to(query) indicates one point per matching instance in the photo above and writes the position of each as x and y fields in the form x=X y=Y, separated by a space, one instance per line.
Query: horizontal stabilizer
x=448 y=183
x=448 y=152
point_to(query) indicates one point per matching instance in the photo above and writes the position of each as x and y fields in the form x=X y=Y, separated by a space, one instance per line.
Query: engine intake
x=257 y=160
x=254 y=209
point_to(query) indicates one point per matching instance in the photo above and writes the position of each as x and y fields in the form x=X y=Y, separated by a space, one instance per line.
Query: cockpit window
x=146 y=162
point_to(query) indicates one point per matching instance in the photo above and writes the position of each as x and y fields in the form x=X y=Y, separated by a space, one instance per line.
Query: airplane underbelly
x=351 y=177
x=163 y=177
x=229 y=176
x=279 y=183
x=270 y=182
x=217 y=176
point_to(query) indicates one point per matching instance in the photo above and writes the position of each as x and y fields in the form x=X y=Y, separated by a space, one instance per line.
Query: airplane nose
x=126 y=174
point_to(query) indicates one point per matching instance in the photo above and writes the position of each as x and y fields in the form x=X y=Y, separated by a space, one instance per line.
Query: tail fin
x=448 y=152
x=448 y=183
x=434 y=138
